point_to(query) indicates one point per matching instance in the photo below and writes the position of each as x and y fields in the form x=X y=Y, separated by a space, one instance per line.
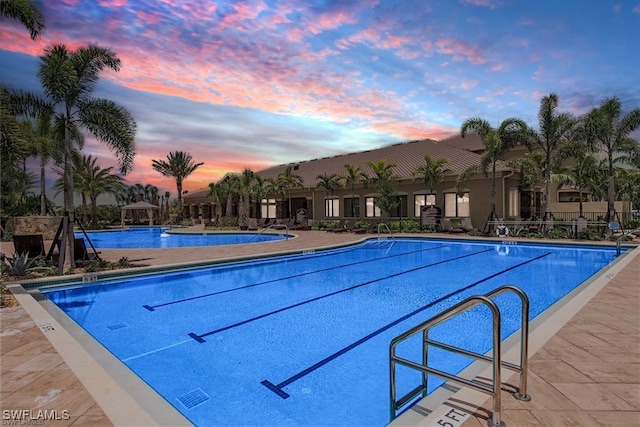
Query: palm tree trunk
x=179 y=185
x=43 y=193
x=68 y=202
x=94 y=212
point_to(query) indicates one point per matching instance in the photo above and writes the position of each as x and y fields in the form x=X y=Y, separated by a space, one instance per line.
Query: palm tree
x=288 y=180
x=26 y=11
x=431 y=172
x=46 y=149
x=69 y=79
x=556 y=130
x=260 y=190
x=609 y=133
x=384 y=179
x=354 y=175
x=328 y=181
x=91 y=181
x=216 y=191
x=583 y=174
x=245 y=188
x=497 y=143
x=179 y=165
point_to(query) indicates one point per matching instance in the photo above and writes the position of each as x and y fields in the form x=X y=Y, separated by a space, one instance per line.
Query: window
x=331 y=208
x=352 y=207
x=455 y=206
x=422 y=200
x=371 y=209
x=514 y=202
x=268 y=208
x=401 y=208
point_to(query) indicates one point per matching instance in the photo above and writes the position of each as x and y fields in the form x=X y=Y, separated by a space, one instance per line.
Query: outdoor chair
x=33 y=244
x=445 y=225
x=282 y=224
x=348 y=226
x=252 y=224
x=466 y=225
x=337 y=228
x=371 y=228
x=80 y=252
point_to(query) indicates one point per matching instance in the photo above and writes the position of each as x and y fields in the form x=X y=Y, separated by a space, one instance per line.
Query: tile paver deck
x=587 y=374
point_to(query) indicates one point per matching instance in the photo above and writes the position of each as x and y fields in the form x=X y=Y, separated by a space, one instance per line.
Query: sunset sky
x=259 y=83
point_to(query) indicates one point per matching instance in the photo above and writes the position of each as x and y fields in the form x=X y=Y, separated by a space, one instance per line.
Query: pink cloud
x=112 y=3
x=486 y=3
x=636 y=10
x=459 y=49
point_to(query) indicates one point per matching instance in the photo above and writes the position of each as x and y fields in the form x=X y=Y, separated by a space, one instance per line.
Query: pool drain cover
x=193 y=398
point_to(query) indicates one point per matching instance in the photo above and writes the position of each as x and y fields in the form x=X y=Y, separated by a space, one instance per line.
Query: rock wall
x=45 y=225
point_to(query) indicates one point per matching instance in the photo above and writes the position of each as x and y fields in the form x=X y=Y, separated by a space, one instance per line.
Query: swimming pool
x=159 y=237
x=303 y=339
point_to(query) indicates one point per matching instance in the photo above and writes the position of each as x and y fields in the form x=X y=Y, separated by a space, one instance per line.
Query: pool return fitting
x=496 y=359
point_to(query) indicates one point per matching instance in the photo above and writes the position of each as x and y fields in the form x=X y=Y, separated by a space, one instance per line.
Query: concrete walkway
x=587 y=374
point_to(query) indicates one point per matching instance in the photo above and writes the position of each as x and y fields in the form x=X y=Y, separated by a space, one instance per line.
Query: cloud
x=459 y=49
x=486 y=3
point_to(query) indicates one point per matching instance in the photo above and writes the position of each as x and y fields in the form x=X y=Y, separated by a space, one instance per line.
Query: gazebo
x=136 y=206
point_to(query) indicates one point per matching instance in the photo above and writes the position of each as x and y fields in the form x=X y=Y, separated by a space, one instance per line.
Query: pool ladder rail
x=496 y=359
x=279 y=227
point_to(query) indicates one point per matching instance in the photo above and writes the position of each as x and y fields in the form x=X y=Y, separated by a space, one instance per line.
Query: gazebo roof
x=140 y=205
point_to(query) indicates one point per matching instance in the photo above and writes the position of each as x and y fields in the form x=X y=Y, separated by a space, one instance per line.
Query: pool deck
x=584 y=371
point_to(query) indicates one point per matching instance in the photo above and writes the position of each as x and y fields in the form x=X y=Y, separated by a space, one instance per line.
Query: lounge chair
x=338 y=227
x=445 y=225
x=302 y=225
x=252 y=224
x=80 y=252
x=282 y=224
x=370 y=229
x=33 y=244
x=348 y=226
x=466 y=225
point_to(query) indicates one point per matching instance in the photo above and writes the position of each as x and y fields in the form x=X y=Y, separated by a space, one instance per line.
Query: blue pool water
x=303 y=339
x=158 y=237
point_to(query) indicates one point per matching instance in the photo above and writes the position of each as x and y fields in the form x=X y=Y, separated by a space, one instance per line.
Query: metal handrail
x=496 y=358
x=286 y=227
x=388 y=230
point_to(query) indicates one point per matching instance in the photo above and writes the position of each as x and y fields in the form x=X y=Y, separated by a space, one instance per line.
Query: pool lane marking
x=156 y=350
x=199 y=337
x=153 y=307
x=277 y=388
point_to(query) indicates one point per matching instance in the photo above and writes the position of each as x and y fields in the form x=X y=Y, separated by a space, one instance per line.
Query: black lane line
x=200 y=337
x=277 y=388
x=153 y=307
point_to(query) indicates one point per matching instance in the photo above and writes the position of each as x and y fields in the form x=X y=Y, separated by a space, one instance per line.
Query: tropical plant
x=91 y=181
x=245 y=189
x=20 y=264
x=27 y=12
x=179 y=165
x=328 y=181
x=431 y=172
x=354 y=175
x=583 y=174
x=555 y=130
x=384 y=179
x=69 y=79
x=497 y=142
x=610 y=133
x=216 y=191
x=287 y=180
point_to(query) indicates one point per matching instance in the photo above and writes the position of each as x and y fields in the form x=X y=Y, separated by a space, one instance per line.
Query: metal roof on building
x=405 y=156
